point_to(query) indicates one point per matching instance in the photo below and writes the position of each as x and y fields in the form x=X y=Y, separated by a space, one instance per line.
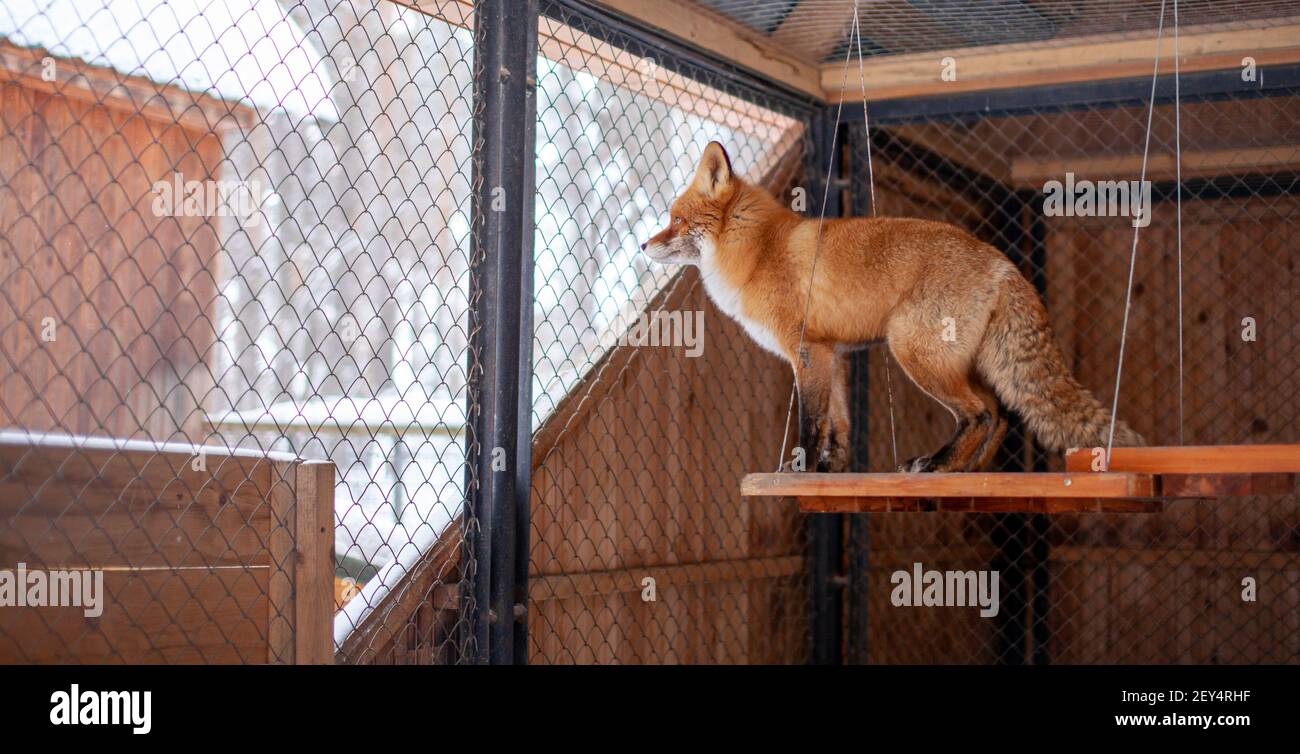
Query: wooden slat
x=150 y=616
x=1031 y=172
x=87 y=504
x=1194 y=459
x=104 y=87
x=1050 y=485
x=592 y=583
x=281 y=616
x=1206 y=48
x=977 y=505
x=314 y=564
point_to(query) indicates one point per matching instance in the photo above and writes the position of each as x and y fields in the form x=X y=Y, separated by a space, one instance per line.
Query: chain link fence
x=1202 y=581
x=240 y=363
x=235 y=240
x=649 y=403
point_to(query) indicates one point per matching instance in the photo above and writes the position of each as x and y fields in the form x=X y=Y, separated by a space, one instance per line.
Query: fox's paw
x=918 y=465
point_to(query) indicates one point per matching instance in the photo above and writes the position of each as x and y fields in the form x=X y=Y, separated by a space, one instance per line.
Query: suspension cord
x=1178 y=195
x=821 y=220
x=1132 y=263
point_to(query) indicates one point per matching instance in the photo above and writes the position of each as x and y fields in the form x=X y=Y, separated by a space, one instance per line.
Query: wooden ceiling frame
x=1089 y=58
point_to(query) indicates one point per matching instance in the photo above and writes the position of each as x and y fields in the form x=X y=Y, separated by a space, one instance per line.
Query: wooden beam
x=458 y=13
x=1032 y=172
x=1091 y=58
x=593 y=583
x=991 y=485
x=571 y=47
x=137 y=95
x=314 y=564
x=1193 y=459
x=725 y=38
x=977 y=505
x=1271 y=560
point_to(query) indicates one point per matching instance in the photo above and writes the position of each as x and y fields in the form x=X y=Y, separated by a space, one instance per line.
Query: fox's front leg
x=822 y=380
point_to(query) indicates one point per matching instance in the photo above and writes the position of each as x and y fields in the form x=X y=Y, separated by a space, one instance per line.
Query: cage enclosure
x=325 y=333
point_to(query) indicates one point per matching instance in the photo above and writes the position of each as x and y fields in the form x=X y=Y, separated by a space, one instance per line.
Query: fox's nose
x=642 y=247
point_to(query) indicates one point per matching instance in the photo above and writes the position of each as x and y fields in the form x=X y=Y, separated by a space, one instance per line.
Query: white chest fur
x=727 y=297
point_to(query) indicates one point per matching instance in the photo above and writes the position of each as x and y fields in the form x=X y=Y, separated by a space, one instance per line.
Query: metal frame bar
x=501 y=292
x=858 y=539
x=826 y=533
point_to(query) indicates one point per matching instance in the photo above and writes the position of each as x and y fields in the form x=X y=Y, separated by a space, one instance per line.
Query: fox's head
x=696 y=215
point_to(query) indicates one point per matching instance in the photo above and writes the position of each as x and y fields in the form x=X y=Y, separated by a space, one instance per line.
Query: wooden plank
x=583 y=52
x=1012 y=485
x=98 y=86
x=1031 y=172
x=728 y=39
x=816 y=504
x=458 y=13
x=1194 y=459
x=87 y=504
x=1091 y=58
x=280 y=550
x=160 y=615
x=314 y=564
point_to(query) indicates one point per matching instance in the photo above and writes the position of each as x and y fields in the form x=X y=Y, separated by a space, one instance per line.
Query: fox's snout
x=663 y=248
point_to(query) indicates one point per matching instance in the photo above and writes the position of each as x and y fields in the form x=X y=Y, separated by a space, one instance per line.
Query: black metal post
x=1011 y=529
x=826 y=531
x=1040 y=546
x=857 y=559
x=501 y=290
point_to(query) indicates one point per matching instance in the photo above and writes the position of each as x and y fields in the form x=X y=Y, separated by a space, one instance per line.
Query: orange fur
x=962 y=322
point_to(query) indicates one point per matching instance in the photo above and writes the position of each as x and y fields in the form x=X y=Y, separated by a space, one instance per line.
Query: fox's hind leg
x=942 y=370
x=997 y=430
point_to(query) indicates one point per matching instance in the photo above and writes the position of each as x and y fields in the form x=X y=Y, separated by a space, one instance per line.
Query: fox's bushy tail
x=1020 y=360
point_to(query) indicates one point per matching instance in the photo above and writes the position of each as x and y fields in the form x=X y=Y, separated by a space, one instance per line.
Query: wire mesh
x=642 y=551
x=817 y=29
x=235 y=241
x=1212 y=581
x=235 y=282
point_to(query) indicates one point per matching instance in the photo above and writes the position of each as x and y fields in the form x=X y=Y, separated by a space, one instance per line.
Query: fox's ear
x=714 y=172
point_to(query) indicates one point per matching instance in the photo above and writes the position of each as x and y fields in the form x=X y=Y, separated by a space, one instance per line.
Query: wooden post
x=301 y=540
x=314 y=563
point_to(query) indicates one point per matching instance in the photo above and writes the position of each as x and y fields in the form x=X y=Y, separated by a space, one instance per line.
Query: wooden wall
x=1124 y=588
x=129 y=293
x=1167 y=587
x=230 y=560
x=643 y=481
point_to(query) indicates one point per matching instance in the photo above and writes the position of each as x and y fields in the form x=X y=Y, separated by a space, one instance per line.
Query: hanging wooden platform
x=1139 y=480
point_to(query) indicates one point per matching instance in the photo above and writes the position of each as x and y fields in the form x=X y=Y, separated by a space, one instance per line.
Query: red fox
x=958 y=316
